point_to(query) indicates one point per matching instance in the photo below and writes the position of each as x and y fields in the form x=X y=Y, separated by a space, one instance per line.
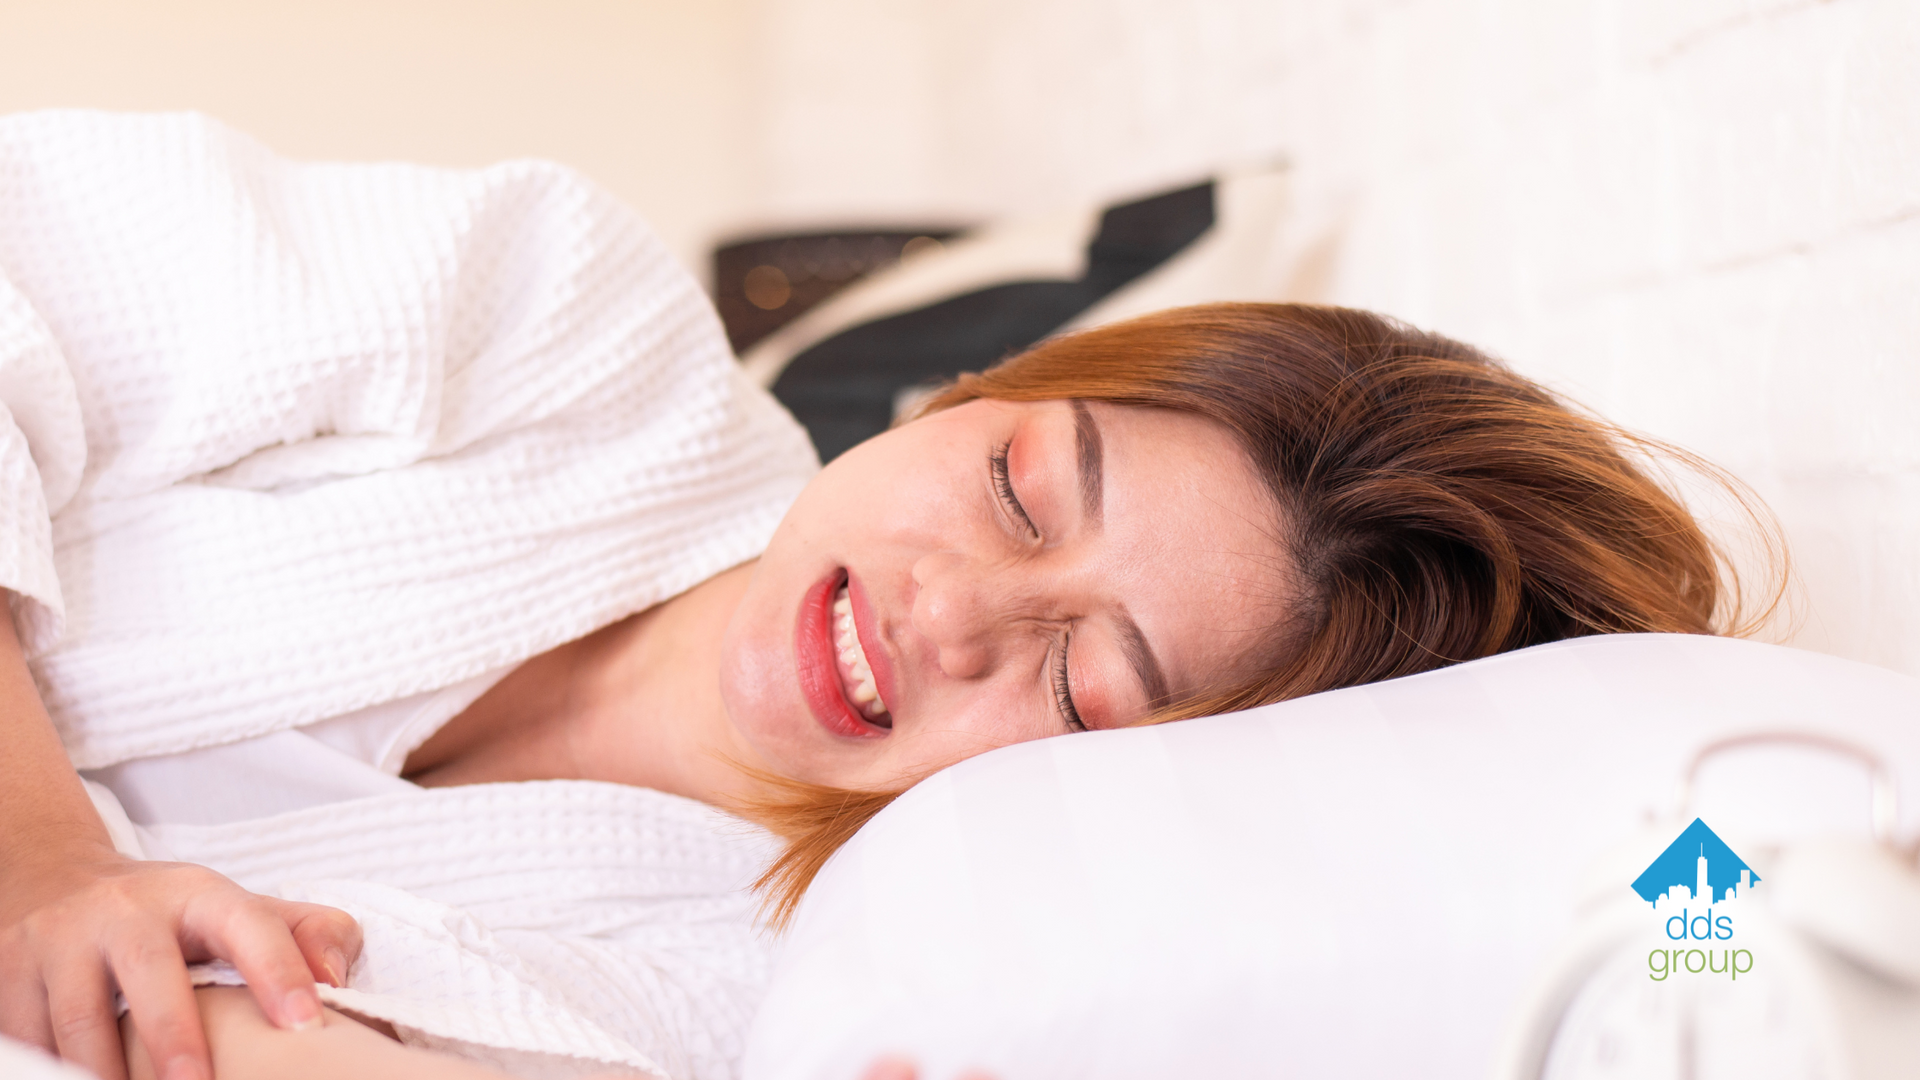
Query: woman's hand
x=76 y=924
x=78 y=919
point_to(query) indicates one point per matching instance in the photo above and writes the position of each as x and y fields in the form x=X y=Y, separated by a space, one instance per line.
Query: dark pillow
x=844 y=387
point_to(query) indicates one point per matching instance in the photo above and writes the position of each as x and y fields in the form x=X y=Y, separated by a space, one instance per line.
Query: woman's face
x=998 y=572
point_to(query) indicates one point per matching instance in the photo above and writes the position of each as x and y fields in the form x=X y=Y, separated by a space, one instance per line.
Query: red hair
x=1437 y=506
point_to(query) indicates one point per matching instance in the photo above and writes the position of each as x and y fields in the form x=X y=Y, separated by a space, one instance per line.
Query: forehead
x=1192 y=533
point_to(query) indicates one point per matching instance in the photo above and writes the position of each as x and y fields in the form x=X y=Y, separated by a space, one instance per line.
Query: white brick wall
x=1703 y=220
x=1701 y=217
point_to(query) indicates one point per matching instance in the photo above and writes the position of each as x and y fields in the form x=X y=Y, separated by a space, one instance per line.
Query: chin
x=758 y=688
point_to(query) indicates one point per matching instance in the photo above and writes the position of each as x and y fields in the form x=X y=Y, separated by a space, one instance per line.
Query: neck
x=637 y=702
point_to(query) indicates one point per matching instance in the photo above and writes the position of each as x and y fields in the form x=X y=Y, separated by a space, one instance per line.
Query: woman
x=1202 y=510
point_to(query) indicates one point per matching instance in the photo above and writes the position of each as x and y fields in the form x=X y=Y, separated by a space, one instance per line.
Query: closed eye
x=1063 y=694
x=1003 y=483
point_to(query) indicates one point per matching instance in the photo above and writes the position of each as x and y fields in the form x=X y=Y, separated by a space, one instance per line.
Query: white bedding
x=1364 y=883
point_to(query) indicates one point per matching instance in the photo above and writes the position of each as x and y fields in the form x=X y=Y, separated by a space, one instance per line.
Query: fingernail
x=335 y=962
x=301 y=1009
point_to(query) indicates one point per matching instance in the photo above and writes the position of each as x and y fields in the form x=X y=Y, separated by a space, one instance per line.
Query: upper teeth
x=866 y=692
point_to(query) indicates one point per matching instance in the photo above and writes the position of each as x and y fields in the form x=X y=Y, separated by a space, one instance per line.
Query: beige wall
x=656 y=99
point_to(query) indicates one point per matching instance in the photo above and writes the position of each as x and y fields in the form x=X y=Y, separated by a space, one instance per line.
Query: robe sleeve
x=349 y=432
x=43 y=451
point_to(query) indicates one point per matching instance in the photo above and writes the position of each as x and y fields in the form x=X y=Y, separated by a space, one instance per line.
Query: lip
x=819 y=665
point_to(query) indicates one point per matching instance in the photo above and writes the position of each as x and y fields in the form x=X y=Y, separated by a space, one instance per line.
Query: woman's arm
x=246 y=1047
x=78 y=920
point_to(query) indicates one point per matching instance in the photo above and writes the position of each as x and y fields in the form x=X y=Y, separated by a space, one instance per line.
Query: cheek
x=758 y=677
x=853 y=502
x=972 y=718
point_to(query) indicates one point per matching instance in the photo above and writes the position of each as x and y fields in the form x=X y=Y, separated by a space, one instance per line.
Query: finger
x=153 y=976
x=23 y=1011
x=85 y=1029
x=139 y=1064
x=328 y=937
x=248 y=932
x=890 y=1068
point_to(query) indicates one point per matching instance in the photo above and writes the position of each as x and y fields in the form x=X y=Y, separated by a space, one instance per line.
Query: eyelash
x=1063 y=694
x=1003 y=483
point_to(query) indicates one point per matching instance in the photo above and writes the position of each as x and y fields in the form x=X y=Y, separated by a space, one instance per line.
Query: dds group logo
x=1695 y=887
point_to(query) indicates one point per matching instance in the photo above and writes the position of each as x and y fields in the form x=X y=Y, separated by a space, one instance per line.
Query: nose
x=967 y=610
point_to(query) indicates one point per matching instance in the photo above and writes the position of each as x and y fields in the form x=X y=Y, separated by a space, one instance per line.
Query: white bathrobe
x=280 y=443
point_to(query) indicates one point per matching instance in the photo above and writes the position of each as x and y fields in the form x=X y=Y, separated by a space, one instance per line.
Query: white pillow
x=1359 y=883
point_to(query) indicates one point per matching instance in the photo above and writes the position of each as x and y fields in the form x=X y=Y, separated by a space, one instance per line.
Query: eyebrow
x=1140 y=656
x=1093 y=484
x=1133 y=642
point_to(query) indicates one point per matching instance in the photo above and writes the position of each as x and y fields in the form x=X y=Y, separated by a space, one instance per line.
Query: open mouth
x=836 y=677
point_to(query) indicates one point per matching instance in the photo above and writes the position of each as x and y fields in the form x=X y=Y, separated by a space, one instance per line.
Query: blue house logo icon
x=1695 y=887
x=1698 y=867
